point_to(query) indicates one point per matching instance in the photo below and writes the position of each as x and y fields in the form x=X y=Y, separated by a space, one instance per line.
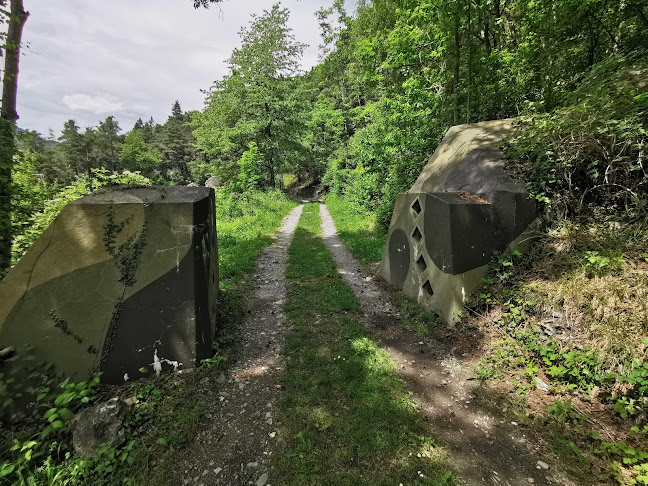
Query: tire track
x=237 y=442
x=484 y=448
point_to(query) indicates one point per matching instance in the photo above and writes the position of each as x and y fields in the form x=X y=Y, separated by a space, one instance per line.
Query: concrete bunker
x=461 y=209
x=123 y=279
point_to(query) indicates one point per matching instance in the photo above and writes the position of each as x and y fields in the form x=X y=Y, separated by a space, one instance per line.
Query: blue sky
x=87 y=59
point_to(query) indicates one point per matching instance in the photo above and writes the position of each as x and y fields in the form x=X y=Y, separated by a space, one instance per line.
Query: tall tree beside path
x=16 y=18
x=258 y=100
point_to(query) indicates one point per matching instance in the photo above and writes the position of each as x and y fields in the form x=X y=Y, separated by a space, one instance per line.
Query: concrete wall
x=122 y=279
x=461 y=209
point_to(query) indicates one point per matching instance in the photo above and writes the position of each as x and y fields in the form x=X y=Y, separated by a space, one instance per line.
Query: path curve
x=237 y=442
x=484 y=448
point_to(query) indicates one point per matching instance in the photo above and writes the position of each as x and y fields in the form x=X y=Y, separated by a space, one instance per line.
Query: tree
x=148 y=131
x=73 y=147
x=136 y=155
x=175 y=142
x=250 y=173
x=257 y=100
x=8 y=117
x=105 y=149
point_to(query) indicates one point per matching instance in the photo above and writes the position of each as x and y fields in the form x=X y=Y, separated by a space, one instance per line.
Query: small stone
x=98 y=425
x=556 y=315
x=541 y=385
x=218 y=470
x=272 y=435
x=221 y=379
x=263 y=479
x=252 y=464
x=542 y=465
x=531 y=480
x=514 y=423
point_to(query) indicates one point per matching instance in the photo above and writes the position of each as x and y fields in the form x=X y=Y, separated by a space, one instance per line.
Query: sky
x=88 y=59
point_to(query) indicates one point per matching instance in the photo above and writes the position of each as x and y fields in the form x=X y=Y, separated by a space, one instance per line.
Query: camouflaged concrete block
x=123 y=279
x=461 y=209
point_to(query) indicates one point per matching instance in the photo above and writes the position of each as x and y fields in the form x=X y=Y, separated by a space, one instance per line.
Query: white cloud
x=87 y=60
x=97 y=104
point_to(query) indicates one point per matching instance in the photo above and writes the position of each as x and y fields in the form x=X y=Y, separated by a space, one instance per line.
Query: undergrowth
x=548 y=340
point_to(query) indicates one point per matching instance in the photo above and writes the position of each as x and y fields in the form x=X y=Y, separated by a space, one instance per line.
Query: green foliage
x=258 y=100
x=245 y=223
x=589 y=154
x=42 y=447
x=137 y=155
x=175 y=142
x=358 y=229
x=598 y=264
x=39 y=221
x=250 y=172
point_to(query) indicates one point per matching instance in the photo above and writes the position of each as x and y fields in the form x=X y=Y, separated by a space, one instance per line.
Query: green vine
x=64 y=327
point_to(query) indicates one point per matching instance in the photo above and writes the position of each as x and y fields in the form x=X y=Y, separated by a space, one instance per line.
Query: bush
x=82 y=186
x=590 y=153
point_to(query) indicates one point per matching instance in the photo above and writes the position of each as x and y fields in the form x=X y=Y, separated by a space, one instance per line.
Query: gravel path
x=484 y=447
x=239 y=436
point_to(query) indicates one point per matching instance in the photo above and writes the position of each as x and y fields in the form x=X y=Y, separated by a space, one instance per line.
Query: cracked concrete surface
x=239 y=437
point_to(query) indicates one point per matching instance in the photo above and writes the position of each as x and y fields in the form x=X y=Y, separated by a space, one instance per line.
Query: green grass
x=245 y=225
x=347 y=418
x=360 y=232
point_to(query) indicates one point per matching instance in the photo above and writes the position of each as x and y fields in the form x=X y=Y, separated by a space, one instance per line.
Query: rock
x=214 y=182
x=98 y=425
x=221 y=379
x=541 y=385
x=262 y=480
x=130 y=401
x=556 y=315
x=542 y=465
x=531 y=480
x=192 y=184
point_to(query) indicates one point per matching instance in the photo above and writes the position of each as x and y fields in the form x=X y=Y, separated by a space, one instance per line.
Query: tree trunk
x=457 y=46
x=8 y=116
x=470 y=55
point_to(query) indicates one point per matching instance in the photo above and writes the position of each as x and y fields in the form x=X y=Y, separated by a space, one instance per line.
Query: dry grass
x=605 y=308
